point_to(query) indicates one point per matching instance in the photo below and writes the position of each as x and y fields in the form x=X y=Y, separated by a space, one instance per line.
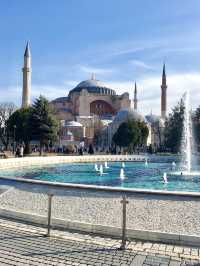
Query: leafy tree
x=6 y=110
x=19 y=124
x=174 y=127
x=144 y=132
x=45 y=127
x=98 y=127
x=158 y=131
x=127 y=134
x=150 y=149
x=131 y=134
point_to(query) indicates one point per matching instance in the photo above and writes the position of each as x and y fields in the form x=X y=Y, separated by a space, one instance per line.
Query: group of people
x=83 y=149
x=19 y=151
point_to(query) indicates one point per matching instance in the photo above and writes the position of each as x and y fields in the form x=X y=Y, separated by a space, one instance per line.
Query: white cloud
x=140 y=64
x=148 y=91
x=90 y=70
x=14 y=94
x=50 y=92
x=11 y=94
x=122 y=48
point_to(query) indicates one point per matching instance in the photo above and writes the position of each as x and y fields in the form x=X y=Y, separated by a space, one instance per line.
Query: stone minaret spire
x=135 y=100
x=93 y=76
x=26 y=94
x=163 y=94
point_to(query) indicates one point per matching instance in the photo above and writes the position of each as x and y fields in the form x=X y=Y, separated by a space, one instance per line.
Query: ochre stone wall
x=85 y=104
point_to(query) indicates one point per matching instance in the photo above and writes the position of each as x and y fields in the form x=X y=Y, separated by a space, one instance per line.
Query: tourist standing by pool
x=21 y=153
x=91 y=150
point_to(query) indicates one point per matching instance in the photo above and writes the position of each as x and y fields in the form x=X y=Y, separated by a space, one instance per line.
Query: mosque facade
x=93 y=107
x=89 y=98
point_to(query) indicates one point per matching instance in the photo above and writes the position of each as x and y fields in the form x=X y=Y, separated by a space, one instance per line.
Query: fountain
x=165 y=179
x=186 y=143
x=146 y=162
x=123 y=165
x=106 y=165
x=96 y=167
x=187 y=136
x=101 y=170
x=173 y=167
x=122 y=175
x=173 y=164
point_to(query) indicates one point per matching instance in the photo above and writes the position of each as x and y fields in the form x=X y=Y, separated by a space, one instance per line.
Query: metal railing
x=61 y=189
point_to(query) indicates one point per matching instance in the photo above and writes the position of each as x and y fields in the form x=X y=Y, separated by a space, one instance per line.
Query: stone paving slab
x=24 y=244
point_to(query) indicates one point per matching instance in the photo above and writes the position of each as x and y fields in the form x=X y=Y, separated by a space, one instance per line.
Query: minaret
x=93 y=76
x=26 y=94
x=163 y=94
x=135 y=100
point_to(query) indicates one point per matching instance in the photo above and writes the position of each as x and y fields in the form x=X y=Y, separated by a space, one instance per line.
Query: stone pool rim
x=39 y=186
x=48 y=160
x=56 y=187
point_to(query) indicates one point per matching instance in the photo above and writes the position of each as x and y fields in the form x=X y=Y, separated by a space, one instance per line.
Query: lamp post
x=14 y=129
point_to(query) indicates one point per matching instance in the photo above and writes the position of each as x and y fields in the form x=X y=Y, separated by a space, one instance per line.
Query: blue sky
x=121 y=41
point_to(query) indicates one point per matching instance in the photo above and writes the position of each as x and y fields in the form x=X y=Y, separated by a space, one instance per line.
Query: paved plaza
x=24 y=244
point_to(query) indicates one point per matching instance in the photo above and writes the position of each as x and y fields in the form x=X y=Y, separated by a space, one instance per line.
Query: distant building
x=90 y=97
x=71 y=131
x=154 y=123
x=89 y=103
x=93 y=108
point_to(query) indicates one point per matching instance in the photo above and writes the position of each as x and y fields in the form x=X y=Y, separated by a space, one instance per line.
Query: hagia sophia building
x=92 y=107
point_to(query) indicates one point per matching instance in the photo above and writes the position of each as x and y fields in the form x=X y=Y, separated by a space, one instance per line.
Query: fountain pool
x=137 y=175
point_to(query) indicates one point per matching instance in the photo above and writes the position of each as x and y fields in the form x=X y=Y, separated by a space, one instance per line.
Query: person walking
x=21 y=151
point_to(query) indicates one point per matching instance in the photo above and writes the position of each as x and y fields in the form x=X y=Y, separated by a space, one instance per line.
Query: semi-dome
x=93 y=86
x=128 y=114
x=60 y=100
x=154 y=119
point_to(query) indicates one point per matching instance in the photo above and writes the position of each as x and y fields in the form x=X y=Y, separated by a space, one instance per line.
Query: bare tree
x=6 y=110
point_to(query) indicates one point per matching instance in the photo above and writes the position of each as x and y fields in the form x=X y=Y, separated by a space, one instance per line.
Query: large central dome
x=93 y=86
x=91 y=83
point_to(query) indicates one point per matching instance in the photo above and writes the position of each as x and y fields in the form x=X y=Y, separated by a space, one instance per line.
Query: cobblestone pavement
x=23 y=244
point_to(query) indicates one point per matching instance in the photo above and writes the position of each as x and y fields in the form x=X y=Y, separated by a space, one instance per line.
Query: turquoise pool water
x=137 y=176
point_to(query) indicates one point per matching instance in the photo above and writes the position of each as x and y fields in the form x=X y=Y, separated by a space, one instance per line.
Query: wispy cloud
x=148 y=91
x=50 y=92
x=140 y=64
x=90 y=69
x=14 y=94
x=11 y=94
x=119 y=49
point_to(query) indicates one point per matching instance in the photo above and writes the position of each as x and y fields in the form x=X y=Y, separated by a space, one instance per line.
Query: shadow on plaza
x=75 y=251
x=28 y=245
x=25 y=243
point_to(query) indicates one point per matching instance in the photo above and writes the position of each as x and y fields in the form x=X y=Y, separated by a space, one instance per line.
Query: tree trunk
x=27 y=148
x=41 y=148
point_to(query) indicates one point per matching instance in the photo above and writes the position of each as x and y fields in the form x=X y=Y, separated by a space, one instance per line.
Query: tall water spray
x=187 y=135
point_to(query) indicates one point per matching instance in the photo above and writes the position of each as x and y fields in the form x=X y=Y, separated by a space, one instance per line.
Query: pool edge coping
x=104 y=230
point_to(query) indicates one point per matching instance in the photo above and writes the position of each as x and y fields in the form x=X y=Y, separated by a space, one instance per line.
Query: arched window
x=100 y=107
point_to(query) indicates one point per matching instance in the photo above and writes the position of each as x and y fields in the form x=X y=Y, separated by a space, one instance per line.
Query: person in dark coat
x=91 y=150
